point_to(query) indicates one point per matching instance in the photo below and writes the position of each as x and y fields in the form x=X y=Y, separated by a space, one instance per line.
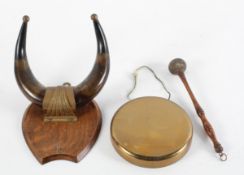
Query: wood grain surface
x=50 y=141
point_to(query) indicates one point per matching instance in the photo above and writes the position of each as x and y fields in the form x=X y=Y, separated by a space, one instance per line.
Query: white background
x=208 y=34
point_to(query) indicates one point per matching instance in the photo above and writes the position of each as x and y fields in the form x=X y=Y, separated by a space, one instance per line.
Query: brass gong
x=151 y=131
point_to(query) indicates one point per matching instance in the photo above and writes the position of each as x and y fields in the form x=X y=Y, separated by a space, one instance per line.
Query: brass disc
x=151 y=132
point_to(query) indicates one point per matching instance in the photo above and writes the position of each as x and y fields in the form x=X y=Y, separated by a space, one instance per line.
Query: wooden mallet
x=177 y=67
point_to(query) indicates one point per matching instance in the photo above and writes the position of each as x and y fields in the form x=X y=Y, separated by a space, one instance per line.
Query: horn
x=90 y=87
x=28 y=84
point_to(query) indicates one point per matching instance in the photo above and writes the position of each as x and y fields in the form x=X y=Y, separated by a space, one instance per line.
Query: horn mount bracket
x=59 y=104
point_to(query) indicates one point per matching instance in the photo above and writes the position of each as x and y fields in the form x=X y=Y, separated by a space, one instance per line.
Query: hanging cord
x=135 y=75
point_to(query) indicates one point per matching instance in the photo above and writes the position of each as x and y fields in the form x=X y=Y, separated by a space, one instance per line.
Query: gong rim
x=140 y=158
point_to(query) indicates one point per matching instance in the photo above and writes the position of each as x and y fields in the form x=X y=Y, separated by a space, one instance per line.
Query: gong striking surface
x=50 y=141
x=151 y=132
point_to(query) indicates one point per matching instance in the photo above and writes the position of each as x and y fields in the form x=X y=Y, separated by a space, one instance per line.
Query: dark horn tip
x=26 y=18
x=94 y=17
x=177 y=66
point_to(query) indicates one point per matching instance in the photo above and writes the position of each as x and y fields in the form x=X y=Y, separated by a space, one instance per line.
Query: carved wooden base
x=50 y=141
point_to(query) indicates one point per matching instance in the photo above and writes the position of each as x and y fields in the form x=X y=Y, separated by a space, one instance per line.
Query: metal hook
x=66 y=84
x=155 y=76
x=223 y=156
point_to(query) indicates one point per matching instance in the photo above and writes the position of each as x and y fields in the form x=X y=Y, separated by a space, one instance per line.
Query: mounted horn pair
x=62 y=122
x=84 y=92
